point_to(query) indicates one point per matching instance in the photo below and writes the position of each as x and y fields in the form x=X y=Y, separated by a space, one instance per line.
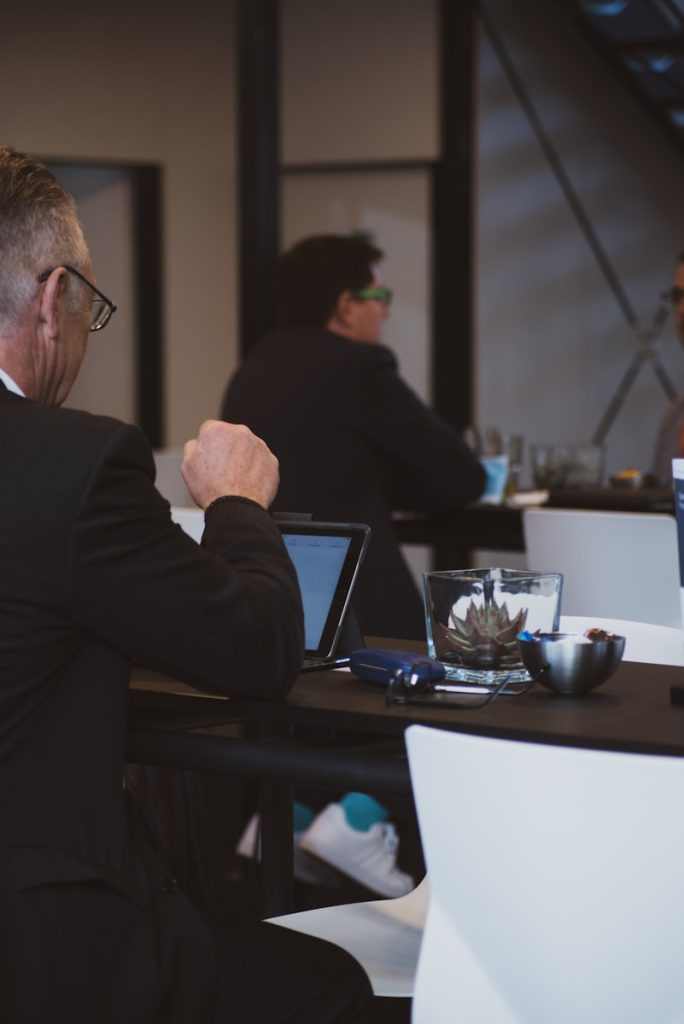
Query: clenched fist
x=227 y=458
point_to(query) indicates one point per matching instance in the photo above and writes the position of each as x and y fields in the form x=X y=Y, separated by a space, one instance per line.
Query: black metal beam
x=148 y=292
x=663 y=44
x=452 y=217
x=258 y=158
x=288 y=761
x=611 y=55
x=355 y=166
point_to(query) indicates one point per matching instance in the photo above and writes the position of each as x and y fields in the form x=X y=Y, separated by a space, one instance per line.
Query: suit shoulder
x=79 y=421
x=374 y=355
x=82 y=434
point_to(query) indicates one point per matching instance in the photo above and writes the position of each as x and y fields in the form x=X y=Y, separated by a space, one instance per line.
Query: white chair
x=189 y=519
x=659 y=645
x=618 y=564
x=555 y=883
x=168 y=480
x=383 y=935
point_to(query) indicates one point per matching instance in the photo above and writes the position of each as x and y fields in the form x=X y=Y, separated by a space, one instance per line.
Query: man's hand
x=227 y=458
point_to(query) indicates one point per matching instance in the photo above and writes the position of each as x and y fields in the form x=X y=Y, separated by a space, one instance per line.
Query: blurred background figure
x=670 y=439
x=354 y=441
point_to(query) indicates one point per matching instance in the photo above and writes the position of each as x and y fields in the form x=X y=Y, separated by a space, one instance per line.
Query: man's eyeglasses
x=383 y=295
x=101 y=307
x=419 y=688
x=673 y=295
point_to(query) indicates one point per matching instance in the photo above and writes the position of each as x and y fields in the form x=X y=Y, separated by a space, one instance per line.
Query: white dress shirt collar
x=10 y=384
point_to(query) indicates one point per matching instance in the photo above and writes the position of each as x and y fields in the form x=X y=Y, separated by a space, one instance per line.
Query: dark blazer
x=354 y=443
x=94 y=574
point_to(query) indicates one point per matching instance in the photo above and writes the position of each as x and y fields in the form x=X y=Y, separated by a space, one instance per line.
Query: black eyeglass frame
x=419 y=688
x=99 y=322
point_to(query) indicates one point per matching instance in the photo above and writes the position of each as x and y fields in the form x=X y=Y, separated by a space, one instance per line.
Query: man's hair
x=313 y=274
x=39 y=230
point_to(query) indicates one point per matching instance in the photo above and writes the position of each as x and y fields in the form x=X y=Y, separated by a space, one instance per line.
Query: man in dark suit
x=354 y=442
x=94 y=574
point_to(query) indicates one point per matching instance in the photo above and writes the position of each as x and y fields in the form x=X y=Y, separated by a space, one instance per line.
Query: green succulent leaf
x=486 y=633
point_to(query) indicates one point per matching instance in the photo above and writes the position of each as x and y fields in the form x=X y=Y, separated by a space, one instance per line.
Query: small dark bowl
x=632 y=482
x=571 y=668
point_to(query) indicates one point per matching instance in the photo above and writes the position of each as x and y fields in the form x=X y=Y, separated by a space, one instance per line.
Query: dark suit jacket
x=94 y=574
x=354 y=443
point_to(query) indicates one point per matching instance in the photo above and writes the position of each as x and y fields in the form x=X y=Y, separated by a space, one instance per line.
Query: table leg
x=276 y=848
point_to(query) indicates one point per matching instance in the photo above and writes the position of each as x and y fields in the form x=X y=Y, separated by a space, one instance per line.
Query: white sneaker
x=249 y=843
x=368 y=857
x=306 y=869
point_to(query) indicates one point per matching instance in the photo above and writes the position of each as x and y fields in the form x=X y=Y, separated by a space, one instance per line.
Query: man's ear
x=345 y=309
x=51 y=303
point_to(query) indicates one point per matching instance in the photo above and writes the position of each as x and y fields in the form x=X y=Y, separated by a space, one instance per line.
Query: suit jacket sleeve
x=429 y=465
x=225 y=616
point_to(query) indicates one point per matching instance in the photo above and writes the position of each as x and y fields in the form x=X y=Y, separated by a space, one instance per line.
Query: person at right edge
x=669 y=443
x=354 y=443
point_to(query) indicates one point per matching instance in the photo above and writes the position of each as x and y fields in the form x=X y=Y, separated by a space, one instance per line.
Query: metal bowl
x=567 y=664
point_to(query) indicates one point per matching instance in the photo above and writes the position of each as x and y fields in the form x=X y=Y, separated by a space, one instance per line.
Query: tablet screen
x=326 y=557
x=318 y=560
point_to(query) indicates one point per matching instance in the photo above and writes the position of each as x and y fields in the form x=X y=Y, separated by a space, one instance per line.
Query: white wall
x=359 y=80
x=106 y=383
x=145 y=81
x=154 y=82
x=552 y=343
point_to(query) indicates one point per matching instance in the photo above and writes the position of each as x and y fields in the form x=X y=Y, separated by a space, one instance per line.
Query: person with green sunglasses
x=354 y=443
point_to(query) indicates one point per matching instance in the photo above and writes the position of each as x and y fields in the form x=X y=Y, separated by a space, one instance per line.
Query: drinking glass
x=501 y=458
x=473 y=618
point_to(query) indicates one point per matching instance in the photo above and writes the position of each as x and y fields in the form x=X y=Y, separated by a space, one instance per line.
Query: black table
x=454 y=534
x=172 y=725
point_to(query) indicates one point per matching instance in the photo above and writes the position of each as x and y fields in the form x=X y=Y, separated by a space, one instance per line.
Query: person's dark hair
x=313 y=274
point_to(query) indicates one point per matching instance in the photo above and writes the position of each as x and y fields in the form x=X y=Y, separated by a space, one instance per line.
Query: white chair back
x=659 y=645
x=168 y=480
x=555 y=883
x=189 y=519
x=619 y=564
x=383 y=935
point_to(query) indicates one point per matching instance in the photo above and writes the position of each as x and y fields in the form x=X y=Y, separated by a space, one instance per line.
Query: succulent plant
x=485 y=638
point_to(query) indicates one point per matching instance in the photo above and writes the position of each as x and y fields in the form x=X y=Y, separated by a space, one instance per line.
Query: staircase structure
x=644 y=41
